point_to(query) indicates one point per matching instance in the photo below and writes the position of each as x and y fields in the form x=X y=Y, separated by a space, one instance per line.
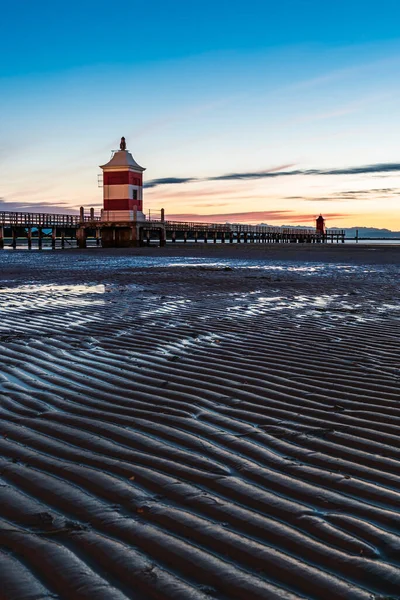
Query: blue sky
x=201 y=91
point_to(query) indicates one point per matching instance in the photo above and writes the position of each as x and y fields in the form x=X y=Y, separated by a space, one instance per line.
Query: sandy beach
x=200 y=422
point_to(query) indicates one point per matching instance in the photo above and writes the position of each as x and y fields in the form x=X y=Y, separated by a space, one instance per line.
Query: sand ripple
x=239 y=442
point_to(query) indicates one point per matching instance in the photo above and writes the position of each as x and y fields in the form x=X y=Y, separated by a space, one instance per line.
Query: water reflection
x=40 y=296
x=97 y=262
x=326 y=306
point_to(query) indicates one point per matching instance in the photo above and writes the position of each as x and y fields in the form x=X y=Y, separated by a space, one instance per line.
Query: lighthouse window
x=135 y=194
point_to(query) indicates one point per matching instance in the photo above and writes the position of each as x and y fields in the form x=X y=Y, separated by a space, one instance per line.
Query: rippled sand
x=217 y=424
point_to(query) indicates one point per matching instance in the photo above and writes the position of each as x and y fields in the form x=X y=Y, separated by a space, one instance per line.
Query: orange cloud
x=287 y=216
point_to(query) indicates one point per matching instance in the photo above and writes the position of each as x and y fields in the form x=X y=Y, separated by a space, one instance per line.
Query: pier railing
x=23 y=219
x=234 y=227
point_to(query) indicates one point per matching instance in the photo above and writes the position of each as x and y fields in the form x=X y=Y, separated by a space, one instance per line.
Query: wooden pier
x=37 y=227
x=74 y=230
x=184 y=232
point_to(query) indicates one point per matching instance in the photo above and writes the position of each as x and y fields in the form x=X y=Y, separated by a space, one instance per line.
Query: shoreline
x=293 y=252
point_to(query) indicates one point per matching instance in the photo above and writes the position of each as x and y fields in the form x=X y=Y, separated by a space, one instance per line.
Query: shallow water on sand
x=198 y=428
x=109 y=262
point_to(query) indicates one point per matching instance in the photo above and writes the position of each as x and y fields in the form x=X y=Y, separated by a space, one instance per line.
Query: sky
x=258 y=111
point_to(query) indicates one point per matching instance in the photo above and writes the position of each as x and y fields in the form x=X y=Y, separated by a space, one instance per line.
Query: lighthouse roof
x=122 y=158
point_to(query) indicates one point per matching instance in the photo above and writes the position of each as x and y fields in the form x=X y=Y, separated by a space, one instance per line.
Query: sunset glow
x=290 y=90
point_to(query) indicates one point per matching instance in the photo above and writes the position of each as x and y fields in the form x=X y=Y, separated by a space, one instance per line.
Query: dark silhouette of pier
x=65 y=230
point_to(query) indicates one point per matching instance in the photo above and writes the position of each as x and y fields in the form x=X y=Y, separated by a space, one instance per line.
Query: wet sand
x=209 y=422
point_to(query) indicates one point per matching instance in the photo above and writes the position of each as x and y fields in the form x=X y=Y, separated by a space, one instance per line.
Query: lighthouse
x=320 y=225
x=122 y=187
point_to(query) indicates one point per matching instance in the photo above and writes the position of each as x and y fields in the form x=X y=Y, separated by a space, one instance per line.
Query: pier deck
x=62 y=227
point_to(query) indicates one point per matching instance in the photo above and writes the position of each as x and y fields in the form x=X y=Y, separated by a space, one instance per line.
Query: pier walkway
x=63 y=228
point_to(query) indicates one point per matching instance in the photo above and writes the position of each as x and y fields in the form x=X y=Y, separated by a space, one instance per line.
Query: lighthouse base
x=131 y=235
x=117 y=216
x=120 y=237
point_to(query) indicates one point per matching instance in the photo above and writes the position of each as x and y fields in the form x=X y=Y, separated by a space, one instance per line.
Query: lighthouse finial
x=122 y=145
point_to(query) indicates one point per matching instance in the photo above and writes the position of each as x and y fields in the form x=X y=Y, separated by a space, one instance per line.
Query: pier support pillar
x=223 y=237
x=81 y=237
x=63 y=239
x=53 y=238
x=1 y=237
x=134 y=236
x=215 y=237
x=174 y=236
x=196 y=236
x=40 y=238
x=14 y=237
x=98 y=236
x=162 y=237
x=185 y=237
x=124 y=235
x=29 y=236
x=231 y=238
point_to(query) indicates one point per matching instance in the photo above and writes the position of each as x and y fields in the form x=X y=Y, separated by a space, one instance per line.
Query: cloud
x=364 y=170
x=379 y=168
x=252 y=217
x=351 y=195
x=211 y=204
x=272 y=172
x=169 y=181
x=374 y=191
x=207 y=192
x=38 y=207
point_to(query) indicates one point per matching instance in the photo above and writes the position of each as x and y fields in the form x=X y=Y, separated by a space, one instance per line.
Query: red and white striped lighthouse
x=122 y=187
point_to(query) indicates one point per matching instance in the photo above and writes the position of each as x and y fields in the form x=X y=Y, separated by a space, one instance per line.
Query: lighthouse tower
x=320 y=225
x=122 y=187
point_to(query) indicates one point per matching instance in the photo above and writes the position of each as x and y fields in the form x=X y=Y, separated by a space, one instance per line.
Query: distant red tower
x=122 y=187
x=320 y=225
